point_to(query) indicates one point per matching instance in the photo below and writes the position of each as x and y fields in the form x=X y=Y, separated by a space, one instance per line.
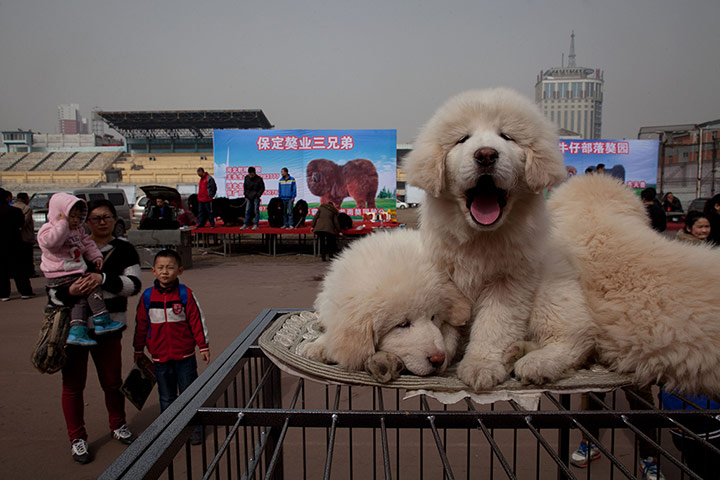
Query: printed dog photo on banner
x=353 y=169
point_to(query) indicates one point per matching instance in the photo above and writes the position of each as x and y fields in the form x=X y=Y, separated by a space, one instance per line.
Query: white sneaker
x=649 y=469
x=255 y=227
x=584 y=455
x=4 y=299
x=124 y=435
x=80 y=452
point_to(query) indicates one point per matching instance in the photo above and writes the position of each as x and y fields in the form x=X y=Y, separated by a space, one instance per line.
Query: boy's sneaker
x=581 y=457
x=649 y=469
x=255 y=227
x=79 y=336
x=124 y=435
x=80 y=452
x=104 y=325
x=4 y=299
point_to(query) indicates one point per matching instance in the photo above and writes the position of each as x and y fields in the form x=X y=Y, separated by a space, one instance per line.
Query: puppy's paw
x=536 y=369
x=516 y=351
x=315 y=351
x=384 y=366
x=481 y=374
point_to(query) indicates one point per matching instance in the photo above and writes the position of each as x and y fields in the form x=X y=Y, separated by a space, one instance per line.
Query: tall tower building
x=572 y=96
x=70 y=121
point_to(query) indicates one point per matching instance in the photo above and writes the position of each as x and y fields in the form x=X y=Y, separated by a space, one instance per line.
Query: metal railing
x=259 y=422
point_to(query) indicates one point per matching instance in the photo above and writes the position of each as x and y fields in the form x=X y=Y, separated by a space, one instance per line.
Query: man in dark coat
x=11 y=223
x=326 y=226
x=654 y=209
x=253 y=188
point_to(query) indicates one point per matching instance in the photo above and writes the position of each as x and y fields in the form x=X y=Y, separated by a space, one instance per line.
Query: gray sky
x=360 y=64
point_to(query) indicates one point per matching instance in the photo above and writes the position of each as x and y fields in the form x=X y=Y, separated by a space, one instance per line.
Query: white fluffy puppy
x=484 y=160
x=383 y=306
x=653 y=298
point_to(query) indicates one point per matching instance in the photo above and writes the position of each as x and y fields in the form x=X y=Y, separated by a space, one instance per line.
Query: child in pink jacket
x=65 y=245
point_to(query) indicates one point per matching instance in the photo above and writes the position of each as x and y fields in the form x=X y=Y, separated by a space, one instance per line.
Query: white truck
x=413 y=195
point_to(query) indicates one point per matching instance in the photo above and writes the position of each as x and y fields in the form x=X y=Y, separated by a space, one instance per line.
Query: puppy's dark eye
x=507 y=137
x=463 y=139
x=405 y=324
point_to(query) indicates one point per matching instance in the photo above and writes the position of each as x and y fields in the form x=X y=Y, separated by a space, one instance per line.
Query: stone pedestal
x=149 y=242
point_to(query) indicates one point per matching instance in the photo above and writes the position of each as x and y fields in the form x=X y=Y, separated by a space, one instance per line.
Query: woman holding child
x=119 y=279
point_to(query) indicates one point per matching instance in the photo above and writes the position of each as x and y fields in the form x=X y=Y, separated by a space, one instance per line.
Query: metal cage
x=259 y=422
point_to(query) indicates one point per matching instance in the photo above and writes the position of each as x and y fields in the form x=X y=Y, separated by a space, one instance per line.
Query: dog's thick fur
x=383 y=305
x=484 y=159
x=653 y=298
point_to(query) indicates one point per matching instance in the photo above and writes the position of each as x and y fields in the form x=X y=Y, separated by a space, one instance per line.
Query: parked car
x=137 y=210
x=698 y=205
x=171 y=195
x=400 y=204
x=39 y=203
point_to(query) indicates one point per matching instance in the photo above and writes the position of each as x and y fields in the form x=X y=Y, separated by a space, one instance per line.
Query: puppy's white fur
x=653 y=299
x=383 y=294
x=520 y=285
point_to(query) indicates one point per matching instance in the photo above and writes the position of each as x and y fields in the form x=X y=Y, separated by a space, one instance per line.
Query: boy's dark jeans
x=173 y=375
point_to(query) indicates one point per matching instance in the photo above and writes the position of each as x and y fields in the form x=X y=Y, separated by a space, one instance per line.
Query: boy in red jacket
x=170 y=324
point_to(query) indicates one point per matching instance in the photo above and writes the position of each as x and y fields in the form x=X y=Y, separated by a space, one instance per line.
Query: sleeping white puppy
x=384 y=307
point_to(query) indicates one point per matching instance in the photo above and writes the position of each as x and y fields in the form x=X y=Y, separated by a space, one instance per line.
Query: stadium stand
x=103 y=161
x=164 y=148
x=10 y=159
x=29 y=162
x=79 y=161
x=163 y=168
x=56 y=160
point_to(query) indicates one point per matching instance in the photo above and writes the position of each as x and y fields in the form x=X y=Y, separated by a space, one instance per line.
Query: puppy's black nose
x=437 y=359
x=486 y=156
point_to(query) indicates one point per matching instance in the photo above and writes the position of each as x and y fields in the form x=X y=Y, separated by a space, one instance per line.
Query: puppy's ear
x=460 y=307
x=353 y=342
x=425 y=167
x=544 y=165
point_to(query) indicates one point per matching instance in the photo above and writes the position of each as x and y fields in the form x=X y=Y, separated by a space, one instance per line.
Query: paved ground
x=231 y=290
x=34 y=440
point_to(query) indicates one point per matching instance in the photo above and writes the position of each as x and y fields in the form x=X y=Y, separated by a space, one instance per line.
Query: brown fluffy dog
x=361 y=181
x=325 y=179
x=333 y=183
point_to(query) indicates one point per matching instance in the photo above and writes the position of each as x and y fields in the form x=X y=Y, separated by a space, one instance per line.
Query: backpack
x=49 y=356
x=275 y=212
x=182 y=291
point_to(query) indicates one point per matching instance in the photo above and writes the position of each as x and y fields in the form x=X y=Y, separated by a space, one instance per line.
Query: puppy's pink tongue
x=485 y=210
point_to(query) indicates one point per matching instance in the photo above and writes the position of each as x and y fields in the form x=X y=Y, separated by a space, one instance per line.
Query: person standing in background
x=654 y=209
x=27 y=233
x=206 y=192
x=287 y=191
x=253 y=188
x=11 y=222
x=326 y=226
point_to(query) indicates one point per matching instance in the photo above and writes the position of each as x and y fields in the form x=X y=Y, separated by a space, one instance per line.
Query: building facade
x=688 y=163
x=572 y=96
x=70 y=122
